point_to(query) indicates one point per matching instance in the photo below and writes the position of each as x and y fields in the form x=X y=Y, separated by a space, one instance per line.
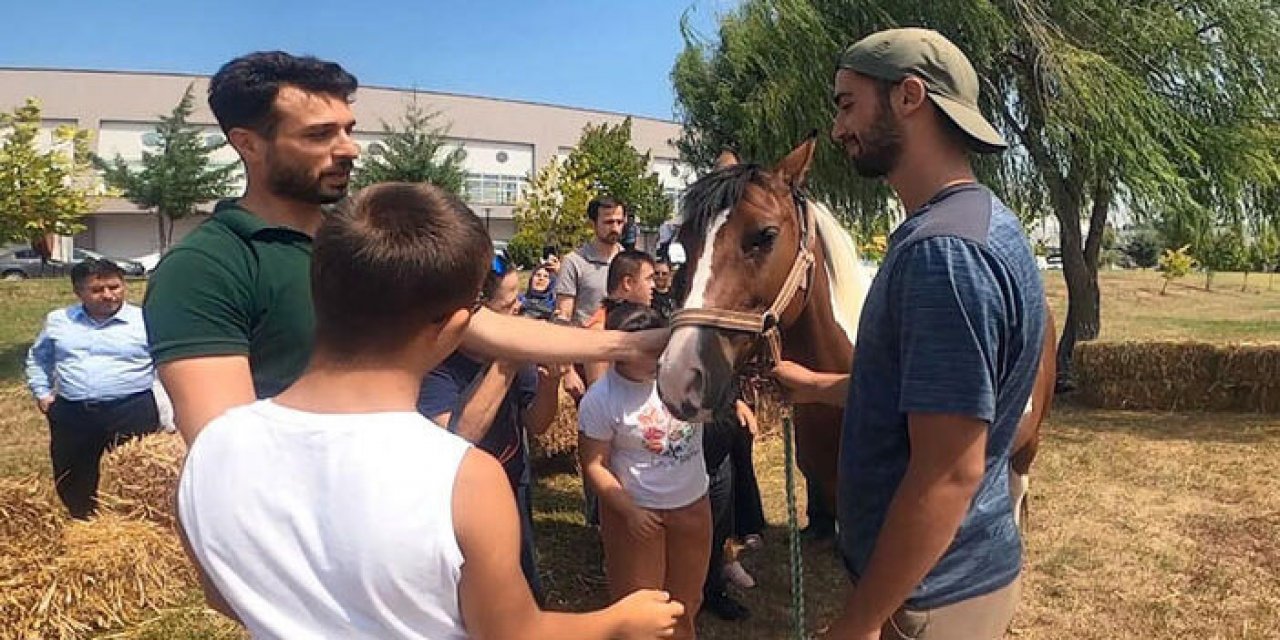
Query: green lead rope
x=793 y=530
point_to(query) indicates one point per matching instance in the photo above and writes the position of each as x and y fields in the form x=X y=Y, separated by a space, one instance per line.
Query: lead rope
x=798 y=616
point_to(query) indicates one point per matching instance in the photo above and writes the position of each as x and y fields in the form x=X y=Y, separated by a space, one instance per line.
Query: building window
x=675 y=197
x=488 y=188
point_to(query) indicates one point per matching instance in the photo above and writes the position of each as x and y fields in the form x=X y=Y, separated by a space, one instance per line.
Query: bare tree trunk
x=1208 y=279
x=168 y=239
x=160 y=236
x=1245 y=287
x=1080 y=268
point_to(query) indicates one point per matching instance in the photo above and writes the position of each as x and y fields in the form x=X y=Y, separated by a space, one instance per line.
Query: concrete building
x=505 y=141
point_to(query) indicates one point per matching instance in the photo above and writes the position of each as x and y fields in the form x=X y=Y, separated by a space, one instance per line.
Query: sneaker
x=723 y=606
x=734 y=572
x=753 y=542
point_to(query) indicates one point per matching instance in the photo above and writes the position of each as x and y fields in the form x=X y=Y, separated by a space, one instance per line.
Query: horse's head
x=743 y=230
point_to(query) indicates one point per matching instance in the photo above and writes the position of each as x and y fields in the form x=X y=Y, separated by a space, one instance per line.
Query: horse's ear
x=794 y=168
x=727 y=158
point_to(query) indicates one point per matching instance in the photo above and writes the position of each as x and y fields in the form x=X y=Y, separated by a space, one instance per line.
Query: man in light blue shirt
x=91 y=375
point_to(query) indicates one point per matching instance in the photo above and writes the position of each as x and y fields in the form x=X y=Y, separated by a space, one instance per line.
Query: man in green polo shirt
x=228 y=311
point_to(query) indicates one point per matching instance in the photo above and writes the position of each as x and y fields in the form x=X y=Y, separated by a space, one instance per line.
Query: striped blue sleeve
x=949 y=329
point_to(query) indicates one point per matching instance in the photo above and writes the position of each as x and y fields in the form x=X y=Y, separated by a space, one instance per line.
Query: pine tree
x=414 y=150
x=177 y=174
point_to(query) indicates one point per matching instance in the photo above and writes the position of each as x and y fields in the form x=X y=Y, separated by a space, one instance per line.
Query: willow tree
x=1108 y=104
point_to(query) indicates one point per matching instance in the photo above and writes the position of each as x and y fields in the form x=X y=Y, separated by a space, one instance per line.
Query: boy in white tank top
x=335 y=510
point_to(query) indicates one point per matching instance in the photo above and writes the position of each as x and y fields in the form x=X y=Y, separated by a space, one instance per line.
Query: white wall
x=673 y=173
x=134 y=236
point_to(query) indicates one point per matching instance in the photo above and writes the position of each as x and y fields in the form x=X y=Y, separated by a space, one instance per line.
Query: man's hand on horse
x=805 y=386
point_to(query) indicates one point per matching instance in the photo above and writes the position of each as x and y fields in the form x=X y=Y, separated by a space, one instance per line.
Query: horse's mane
x=723 y=188
x=713 y=193
x=849 y=281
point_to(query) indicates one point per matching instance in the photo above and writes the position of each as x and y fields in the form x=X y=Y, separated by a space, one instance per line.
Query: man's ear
x=247 y=143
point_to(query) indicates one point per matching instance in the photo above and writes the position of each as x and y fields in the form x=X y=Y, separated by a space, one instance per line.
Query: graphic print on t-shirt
x=665 y=435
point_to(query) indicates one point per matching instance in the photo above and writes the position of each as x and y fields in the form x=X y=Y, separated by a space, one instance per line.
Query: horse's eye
x=764 y=239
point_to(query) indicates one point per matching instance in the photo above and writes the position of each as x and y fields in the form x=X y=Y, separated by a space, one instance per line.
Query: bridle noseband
x=768 y=324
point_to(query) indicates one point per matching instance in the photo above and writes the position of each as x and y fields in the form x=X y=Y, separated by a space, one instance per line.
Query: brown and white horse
x=763 y=263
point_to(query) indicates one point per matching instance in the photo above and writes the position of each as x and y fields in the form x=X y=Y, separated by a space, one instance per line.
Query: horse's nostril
x=695 y=382
x=687 y=410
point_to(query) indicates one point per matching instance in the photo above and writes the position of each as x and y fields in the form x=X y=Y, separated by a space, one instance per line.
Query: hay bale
x=29 y=512
x=140 y=478
x=95 y=575
x=1179 y=376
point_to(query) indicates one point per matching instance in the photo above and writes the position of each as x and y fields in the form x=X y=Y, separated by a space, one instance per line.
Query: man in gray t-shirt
x=581 y=286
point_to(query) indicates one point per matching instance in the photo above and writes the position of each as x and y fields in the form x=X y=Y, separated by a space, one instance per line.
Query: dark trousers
x=81 y=431
x=748 y=509
x=720 y=493
x=528 y=552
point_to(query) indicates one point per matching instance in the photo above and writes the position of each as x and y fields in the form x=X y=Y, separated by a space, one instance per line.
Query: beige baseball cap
x=948 y=75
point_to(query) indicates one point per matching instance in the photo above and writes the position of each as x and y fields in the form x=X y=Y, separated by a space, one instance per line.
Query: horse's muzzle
x=693 y=374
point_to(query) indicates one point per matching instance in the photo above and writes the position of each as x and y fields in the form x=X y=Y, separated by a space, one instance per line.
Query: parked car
x=149 y=261
x=131 y=267
x=20 y=264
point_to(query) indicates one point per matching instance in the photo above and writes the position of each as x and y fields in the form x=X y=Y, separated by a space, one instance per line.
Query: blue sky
x=614 y=55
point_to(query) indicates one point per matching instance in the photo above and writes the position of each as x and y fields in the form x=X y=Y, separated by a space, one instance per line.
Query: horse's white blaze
x=702 y=275
x=681 y=354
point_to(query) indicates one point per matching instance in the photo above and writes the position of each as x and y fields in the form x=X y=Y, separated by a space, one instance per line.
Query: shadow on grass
x=1223 y=428
x=13 y=359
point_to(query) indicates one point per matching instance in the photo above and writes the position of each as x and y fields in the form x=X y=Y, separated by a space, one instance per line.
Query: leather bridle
x=766 y=325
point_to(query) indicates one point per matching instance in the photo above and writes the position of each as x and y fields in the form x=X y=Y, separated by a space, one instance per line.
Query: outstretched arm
x=528 y=340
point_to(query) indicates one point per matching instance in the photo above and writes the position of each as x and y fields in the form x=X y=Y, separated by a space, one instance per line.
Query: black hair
x=94 y=268
x=629 y=316
x=603 y=202
x=626 y=263
x=242 y=93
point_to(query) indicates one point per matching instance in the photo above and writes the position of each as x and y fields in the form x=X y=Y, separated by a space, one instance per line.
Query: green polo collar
x=244 y=224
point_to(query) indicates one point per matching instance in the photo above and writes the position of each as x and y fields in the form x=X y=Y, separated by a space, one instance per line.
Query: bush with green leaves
x=1174 y=265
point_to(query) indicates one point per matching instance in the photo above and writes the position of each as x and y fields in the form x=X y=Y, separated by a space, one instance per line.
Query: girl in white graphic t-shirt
x=649 y=471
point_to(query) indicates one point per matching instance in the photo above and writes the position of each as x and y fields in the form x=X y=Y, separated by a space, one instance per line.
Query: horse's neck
x=815 y=339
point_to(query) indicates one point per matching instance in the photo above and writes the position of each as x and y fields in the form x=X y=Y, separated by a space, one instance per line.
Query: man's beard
x=295 y=183
x=610 y=238
x=881 y=149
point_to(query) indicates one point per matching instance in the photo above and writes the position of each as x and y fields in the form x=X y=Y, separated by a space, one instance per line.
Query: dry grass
x=1155 y=526
x=1161 y=526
